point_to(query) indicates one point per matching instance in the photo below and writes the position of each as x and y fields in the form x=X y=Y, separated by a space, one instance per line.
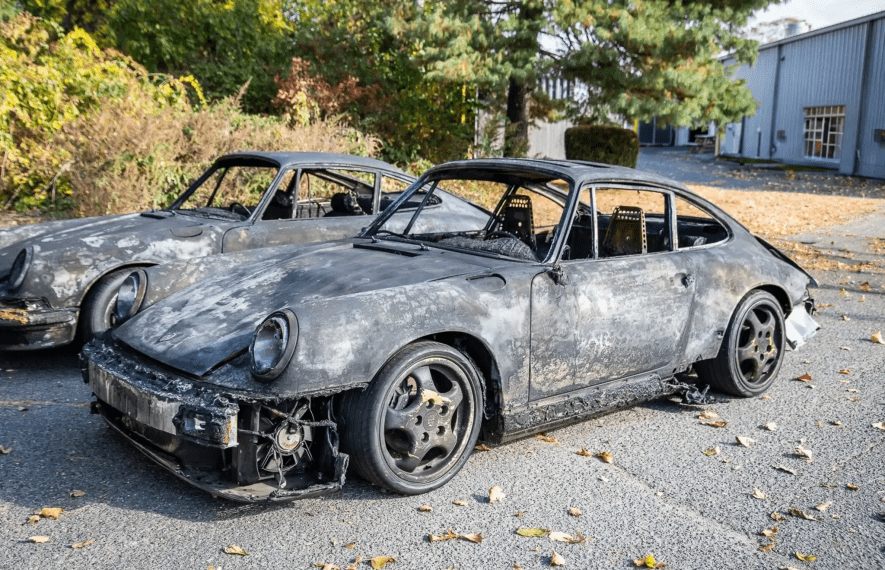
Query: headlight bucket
x=273 y=345
x=130 y=296
x=20 y=267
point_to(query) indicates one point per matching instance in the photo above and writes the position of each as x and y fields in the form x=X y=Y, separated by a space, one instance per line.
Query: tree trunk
x=516 y=132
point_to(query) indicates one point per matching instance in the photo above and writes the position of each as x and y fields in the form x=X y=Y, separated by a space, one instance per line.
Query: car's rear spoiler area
x=783 y=257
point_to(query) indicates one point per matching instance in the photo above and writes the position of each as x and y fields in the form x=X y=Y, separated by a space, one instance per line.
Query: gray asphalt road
x=661 y=495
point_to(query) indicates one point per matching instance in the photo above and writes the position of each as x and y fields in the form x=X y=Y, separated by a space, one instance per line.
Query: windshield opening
x=229 y=192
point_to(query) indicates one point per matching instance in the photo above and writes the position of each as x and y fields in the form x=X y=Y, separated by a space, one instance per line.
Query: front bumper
x=26 y=325
x=192 y=429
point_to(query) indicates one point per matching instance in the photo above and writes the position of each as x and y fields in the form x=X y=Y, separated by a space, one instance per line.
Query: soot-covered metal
x=261 y=375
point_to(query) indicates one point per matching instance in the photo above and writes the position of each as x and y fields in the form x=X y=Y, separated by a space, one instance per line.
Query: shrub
x=602 y=143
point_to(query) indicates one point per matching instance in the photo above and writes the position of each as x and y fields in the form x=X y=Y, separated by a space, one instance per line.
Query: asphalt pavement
x=660 y=495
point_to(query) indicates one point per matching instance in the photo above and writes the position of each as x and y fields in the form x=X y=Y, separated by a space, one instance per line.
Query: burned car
x=58 y=277
x=586 y=288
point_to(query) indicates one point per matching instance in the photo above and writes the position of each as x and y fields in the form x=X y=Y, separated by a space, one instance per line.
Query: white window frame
x=824 y=127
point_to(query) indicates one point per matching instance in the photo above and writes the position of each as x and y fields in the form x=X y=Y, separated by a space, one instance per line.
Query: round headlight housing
x=273 y=345
x=20 y=267
x=130 y=296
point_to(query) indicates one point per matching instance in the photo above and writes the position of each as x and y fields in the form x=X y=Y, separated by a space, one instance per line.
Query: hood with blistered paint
x=205 y=325
x=68 y=256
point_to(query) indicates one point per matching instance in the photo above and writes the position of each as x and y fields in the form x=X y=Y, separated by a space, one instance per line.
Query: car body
x=58 y=274
x=586 y=289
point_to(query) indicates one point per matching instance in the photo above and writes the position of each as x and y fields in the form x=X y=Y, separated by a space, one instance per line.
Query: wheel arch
x=89 y=288
x=779 y=294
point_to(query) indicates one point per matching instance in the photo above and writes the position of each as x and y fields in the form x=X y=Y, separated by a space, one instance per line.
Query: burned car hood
x=204 y=326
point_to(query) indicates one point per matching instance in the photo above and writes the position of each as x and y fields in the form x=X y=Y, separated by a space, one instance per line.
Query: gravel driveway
x=661 y=494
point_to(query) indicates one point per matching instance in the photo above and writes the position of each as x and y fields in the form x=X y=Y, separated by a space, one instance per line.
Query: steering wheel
x=234 y=205
x=502 y=233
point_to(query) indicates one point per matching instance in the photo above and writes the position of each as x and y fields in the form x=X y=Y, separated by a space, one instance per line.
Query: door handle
x=688 y=279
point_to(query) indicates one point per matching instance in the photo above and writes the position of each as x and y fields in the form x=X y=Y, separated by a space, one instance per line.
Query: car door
x=620 y=301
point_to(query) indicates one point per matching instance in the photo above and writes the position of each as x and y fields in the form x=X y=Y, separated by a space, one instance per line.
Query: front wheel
x=413 y=428
x=752 y=350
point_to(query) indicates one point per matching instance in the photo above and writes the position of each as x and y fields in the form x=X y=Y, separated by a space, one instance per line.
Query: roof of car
x=287 y=159
x=575 y=169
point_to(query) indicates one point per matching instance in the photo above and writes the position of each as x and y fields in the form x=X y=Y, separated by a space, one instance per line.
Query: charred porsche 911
x=60 y=276
x=585 y=288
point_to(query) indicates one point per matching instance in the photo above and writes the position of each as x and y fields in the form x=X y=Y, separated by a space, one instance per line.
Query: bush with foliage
x=602 y=143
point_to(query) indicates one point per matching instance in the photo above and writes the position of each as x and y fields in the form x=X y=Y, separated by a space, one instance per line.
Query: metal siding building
x=821 y=100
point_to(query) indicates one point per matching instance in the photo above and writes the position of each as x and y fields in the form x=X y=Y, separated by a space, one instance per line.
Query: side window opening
x=631 y=222
x=695 y=227
x=330 y=193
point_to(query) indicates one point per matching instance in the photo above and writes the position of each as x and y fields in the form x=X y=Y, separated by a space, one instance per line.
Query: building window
x=823 y=131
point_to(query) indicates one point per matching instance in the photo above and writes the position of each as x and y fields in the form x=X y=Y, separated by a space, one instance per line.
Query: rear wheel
x=752 y=350
x=413 y=428
x=97 y=311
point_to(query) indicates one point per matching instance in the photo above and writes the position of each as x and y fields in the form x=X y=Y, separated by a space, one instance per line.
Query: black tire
x=406 y=432
x=97 y=311
x=752 y=350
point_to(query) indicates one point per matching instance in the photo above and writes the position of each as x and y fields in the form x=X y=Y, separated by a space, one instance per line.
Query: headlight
x=130 y=296
x=273 y=344
x=20 y=268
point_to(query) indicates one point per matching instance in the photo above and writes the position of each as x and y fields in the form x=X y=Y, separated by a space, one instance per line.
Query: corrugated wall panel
x=872 y=152
x=760 y=82
x=819 y=71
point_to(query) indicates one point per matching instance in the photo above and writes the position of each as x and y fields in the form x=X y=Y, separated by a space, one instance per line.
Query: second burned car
x=586 y=288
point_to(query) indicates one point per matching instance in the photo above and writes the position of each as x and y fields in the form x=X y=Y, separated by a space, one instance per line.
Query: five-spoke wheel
x=412 y=429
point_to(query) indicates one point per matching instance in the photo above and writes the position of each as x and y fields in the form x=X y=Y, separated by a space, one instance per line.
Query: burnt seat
x=626 y=233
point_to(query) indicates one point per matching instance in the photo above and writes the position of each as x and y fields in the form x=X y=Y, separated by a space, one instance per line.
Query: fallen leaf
x=842 y=292
x=235 y=550
x=648 y=561
x=759 y=494
x=574 y=511
x=5 y=450
x=496 y=493
x=532 y=532
x=823 y=506
x=33 y=519
x=482 y=447
x=880 y=425
x=845 y=371
x=605 y=456
x=877 y=338
x=520 y=513
x=90 y=541
x=23 y=408
x=767 y=547
x=584 y=452
x=560 y=537
x=547 y=438
x=460 y=503
x=785 y=568
x=77 y=493
x=769 y=531
x=804 y=378
x=852 y=390
x=326 y=566
x=356 y=561
x=852 y=487
x=603 y=478
x=708 y=415
x=719 y=424
x=745 y=441
x=806 y=557
x=477 y=538
x=449 y=535
x=425 y=509
x=845 y=348
x=777 y=516
x=846 y=318
x=50 y=512
x=381 y=561
x=802 y=514
x=784 y=469
x=837 y=423
x=771 y=426
x=517 y=567
x=350 y=545
x=865 y=286
x=764 y=397
x=556 y=559
x=39 y=539
x=824 y=305
x=711 y=451
x=804 y=453
x=862 y=299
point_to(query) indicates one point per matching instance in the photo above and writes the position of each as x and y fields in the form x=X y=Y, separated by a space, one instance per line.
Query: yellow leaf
x=77 y=493
x=482 y=447
x=804 y=378
x=449 y=535
x=50 y=512
x=235 y=550
x=574 y=511
x=823 y=506
x=496 y=493
x=584 y=452
x=842 y=292
x=769 y=532
x=39 y=539
x=547 y=438
x=759 y=494
x=605 y=456
x=802 y=514
x=745 y=441
x=556 y=559
x=85 y=543
x=425 y=509
x=381 y=561
x=708 y=415
x=845 y=371
x=806 y=557
x=877 y=338
x=649 y=562
x=533 y=532
x=460 y=502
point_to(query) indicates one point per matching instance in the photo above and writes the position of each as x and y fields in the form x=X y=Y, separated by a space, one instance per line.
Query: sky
x=820 y=13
